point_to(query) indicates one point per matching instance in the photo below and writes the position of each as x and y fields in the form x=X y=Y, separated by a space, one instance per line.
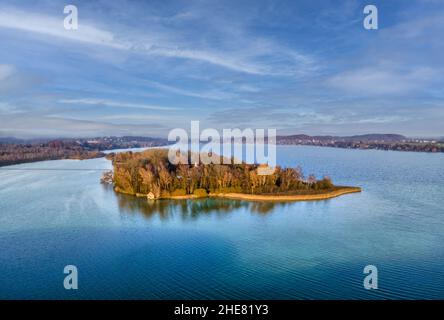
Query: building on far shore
x=265 y=170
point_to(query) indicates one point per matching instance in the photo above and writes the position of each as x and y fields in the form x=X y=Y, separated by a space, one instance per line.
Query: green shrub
x=179 y=192
x=200 y=192
x=324 y=184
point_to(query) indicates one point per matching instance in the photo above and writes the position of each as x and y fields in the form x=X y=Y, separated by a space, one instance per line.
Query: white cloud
x=382 y=80
x=6 y=108
x=112 y=103
x=50 y=26
x=162 y=43
x=205 y=56
x=382 y=119
x=248 y=88
x=13 y=80
x=26 y=126
x=210 y=94
x=135 y=117
x=6 y=71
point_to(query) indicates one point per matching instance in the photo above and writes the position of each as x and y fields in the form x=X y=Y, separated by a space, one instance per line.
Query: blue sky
x=145 y=67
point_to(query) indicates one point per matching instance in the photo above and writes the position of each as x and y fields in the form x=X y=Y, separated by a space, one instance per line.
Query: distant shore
x=15 y=151
x=261 y=197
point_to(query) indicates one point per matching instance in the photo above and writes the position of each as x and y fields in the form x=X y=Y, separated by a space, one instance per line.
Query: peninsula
x=15 y=151
x=150 y=174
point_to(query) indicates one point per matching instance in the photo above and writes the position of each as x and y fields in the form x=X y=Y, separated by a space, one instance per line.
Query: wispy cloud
x=30 y=126
x=296 y=65
x=151 y=45
x=402 y=59
x=6 y=71
x=381 y=120
x=51 y=26
x=207 y=94
x=13 y=81
x=379 y=80
x=112 y=103
x=7 y=109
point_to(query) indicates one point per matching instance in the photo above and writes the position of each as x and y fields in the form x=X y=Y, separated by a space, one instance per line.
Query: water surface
x=55 y=213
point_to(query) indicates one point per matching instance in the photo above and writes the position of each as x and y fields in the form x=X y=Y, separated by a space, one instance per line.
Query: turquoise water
x=225 y=249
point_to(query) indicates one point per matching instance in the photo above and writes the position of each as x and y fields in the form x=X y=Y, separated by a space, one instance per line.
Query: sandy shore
x=257 y=197
x=302 y=197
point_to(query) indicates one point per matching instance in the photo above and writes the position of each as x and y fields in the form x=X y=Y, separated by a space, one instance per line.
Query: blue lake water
x=55 y=213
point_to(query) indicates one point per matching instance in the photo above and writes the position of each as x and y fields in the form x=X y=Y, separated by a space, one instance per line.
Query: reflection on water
x=189 y=209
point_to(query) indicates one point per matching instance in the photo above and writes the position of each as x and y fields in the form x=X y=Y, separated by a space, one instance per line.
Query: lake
x=56 y=213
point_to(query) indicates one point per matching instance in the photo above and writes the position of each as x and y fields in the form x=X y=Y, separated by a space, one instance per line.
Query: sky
x=146 y=67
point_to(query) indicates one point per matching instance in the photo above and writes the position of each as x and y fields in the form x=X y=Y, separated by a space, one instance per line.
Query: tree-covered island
x=150 y=174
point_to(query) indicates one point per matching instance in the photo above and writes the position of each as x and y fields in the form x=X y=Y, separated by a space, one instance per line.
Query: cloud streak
x=208 y=94
x=6 y=71
x=379 y=80
x=112 y=103
x=296 y=65
x=87 y=33
x=53 y=27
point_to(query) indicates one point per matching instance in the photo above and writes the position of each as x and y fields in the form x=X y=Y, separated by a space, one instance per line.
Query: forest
x=151 y=172
x=53 y=150
x=14 y=151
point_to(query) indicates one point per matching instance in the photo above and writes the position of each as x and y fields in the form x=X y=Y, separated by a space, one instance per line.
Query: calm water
x=125 y=248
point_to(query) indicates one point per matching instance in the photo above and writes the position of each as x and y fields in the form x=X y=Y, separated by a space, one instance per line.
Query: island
x=149 y=174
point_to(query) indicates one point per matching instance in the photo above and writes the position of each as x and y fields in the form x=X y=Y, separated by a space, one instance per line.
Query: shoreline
x=296 y=197
x=259 y=197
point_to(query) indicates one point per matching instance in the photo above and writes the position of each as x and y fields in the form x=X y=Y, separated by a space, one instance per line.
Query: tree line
x=53 y=150
x=150 y=171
